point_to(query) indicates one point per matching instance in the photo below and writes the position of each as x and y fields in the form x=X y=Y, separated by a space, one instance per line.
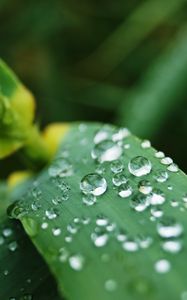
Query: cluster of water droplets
x=134 y=183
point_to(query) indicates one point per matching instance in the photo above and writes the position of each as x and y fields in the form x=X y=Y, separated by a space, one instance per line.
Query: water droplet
x=44 y=225
x=145 y=187
x=172 y=246
x=166 y=160
x=103 y=133
x=7 y=232
x=162 y=266
x=89 y=200
x=51 y=213
x=106 y=151
x=110 y=285
x=117 y=166
x=13 y=246
x=63 y=255
x=159 y=154
x=144 y=241
x=73 y=228
x=161 y=176
x=184 y=295
x=169 y=228
x=76 y=262
x=100 y=238
x=173 y=168
x=121 y=235
x=139 y=202
x=15 y=211
x=130 y=245
x=157 y=197
x=139 y=166
x=146 y=144
x=156 y=212
x=93 y=184
x=101 y=220
x=60 y=167
x=56 y=231
x=2 y=240
x=174 y=203
x=120 y=134
x=35 y=205
x=119 y=179
x=125 y=190
x=26 y=297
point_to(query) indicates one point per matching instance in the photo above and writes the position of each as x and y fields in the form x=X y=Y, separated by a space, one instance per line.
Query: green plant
x=104 y=211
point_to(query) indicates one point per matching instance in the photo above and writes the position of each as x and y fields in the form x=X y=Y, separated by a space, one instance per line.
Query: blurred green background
x=122 y=62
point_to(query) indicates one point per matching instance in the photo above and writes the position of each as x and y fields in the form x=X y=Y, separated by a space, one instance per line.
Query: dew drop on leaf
x=125 y=190
x=162 y=266
x=76 y=262
x=139 y=166
x=106 y=151
x=93 y=184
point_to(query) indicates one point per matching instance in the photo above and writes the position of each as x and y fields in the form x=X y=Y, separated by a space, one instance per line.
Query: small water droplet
x=99 y=238
x=101 y=220
x=51 y=213
x=120 y=134
x=145 y=187
x=119 y=179
x=166 y=160
x=89 y=200
x=56 y=231
x=76 y=262
x=156 y=212
x=106 y=151
x=169 y=228
x=139 y=166
x=60 y=167
x=63 y=254
x=159 y=154
x=13 y=246
x=125 y=190
x=44 y=225
x=117 y=166
x=139 y=202
x=161 y=176
x=7 y=232
x=172 y=246
x=110 y=285
x=146 y=144
x=157 y=197
x=130 y=245
x=93 y=184
x=173 y=168
x=162 y=266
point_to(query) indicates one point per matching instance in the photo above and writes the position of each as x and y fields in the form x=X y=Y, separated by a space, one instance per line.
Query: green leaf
x=116 y=248
x=161 y=91
x=23 y=273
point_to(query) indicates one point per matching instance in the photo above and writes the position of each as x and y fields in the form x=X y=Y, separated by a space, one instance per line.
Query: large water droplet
x=130 y=245
x=106 y=151
x=139 y=166
x=93 y=184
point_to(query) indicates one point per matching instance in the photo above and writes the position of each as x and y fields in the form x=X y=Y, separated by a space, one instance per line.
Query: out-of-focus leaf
x=162 y=89
x=113 y=247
